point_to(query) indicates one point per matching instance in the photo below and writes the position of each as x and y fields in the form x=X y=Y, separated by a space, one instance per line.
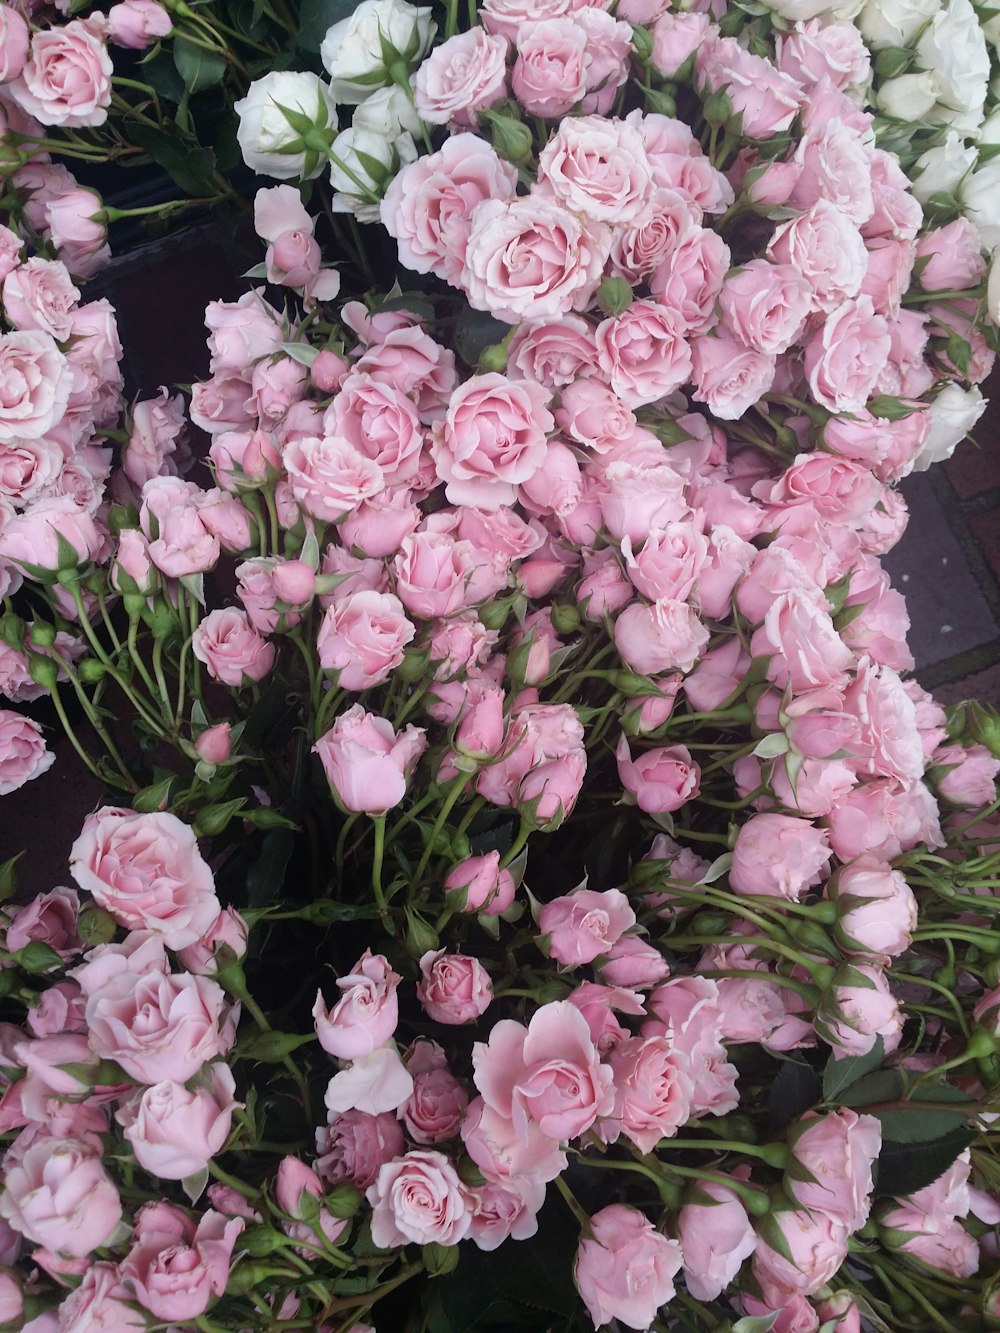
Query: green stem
x=454 y=792
x=574 y=1205
x=379 y=823
x=71 y=734
x=238 y=1185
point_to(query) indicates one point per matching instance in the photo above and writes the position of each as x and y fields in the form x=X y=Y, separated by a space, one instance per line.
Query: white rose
x=908 y=97
x=387 y=112
x=353 y=50
x=801 y=11
x=954 y=48
x=942 y=169
x=989 y=132
x=895 y=22
x=361 y=167
x=953 y=413
x=980 y=198
x=270 y=143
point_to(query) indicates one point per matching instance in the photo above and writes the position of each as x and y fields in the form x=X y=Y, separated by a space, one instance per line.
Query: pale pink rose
x=717 y=676
x=465 y=74
x=625 y=1268
x=830 y=1171
x=590 y=413
x=354 y=1145
x=663 y=636
x=969 y=774
x=842 y=1307
x=844 y=359
x=437 y=575
x=159 y=1027
x=66 y=80
x=633 y=964
x=765 y=305
x=639 y=497
x=14 y=41
x=429 y=205
x=379 y=420
x=689 y=280
x=653 y=1091
x=100 y=1302
x=231 y=648
x=679 y=163
x=435 y=1108
x=157 y=425
x=715 y=1238
x=50 y=918
x=877 y=909
x=418 y=1198
x=729 y=377
x=411 y=361
x=948 y=1247
x=661 y=780
x=556 y=488
x=643 y=353
x=952 y=256
x=890 y=740
x=645 y=246
x=228 y=932
x=817 y=1246
x=42 y=533
x=11 y=244
x=597 y=168
x=363 y=638
x=35 y=384
x=23 y=752
x=177 y=1265
x=584 y=924
x=549 y=74
x=804 y=648
x=366 y=762
x=58 y=1194
x=453 y=988
x=377 y=527
x=767 y=98
x=796 y=1314
x=532 y=258
x=146 y=870
x=138 y=23
x=670 y=561
x=554 y=353
x=778 y=856
x=293 y=1182
x=241 y=333
x=837 y=489
x=78 y=230
x=857 y=1008
x=505 y=1209
x=547 y=1075
x=329 y=477
x=478 y=884
x=825 y=246
x=367 y=1012
x=374 y=1083
x=175 y=1131
x=493 y=437
x=39 y=294
x=676 y=37
x=818 y=52
x=607 y=57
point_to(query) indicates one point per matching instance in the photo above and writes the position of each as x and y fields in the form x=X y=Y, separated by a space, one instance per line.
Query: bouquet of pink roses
x=528 y=894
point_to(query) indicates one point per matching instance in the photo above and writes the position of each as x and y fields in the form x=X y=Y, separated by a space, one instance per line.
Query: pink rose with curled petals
x=845 y=357
x=653 y=1091
x=231 y=648
x=367 y=1012
x=66 y=79
x=354 y=1145
x=175 y=1131
x=435 y=1108
x=420 y=1198
x=35 y=384
x=715 y=1238
x=373 y=1083
x=101 y=1302
x=532 y=258
x=58 y=1194
x=584 y=924
x=329 y=477
x=665 y=635
x=366 y=762
x=14 y=42
x=363 y=638
x=643 y=353
x=830 y=1171
x=138 y=23
x=662 y=779
x=858 y=1007
x=465 y=74
x=505 y=1209
x=597 y=168
x=23 y=752
x=807 y=1249
x=548 y=1075
x=778 y=856
x=453 y=988
x=549 y=74
x=728 y=376
x=765 y=305
x=177 y=1265
x=625 y=1268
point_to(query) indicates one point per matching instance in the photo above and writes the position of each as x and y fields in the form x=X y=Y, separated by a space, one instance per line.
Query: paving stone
x=975 y=468
x=981 y=685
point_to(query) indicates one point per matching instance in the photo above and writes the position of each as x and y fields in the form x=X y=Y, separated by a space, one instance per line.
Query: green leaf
x=267 y=874
x=197 y=67
x=959 y=352
x=180 y=155
x=906 y=1167
x=162 y=76
x=272 y=1047
x=839 y=1075
x=8 y=877
x=796 y=1089
x=756 y=1323
x=316 y=16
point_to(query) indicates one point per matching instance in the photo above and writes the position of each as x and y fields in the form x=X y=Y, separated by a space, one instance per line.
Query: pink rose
x=808 y=1249
x=14 y=40
x=478 y=884
x=231 y=648
x=366 y=762
x=57 y=1193
x=825 y=246
x=830 y=1171
x=367 y=1012
x=778 y=856
x=664 y=636
x=429 y=205
x=661 y=780
x=877 y=909
x=857 y=1008
x=547 y=1075
x=379 y=420
x=765 y=305
x=715 y=1239
x=51 y=918
x=453 y=988
x=354 y=1145
x=549 y=74
x=505 y=1209
x=78 y=230
x=653 y=1091
x=39 y=294
x=100 y=1302
x=804 y=648
x=465 y=74
x=585 y=924
x=766 y=98
x=418 y=1198
x=146 y=870
x=844 y=359
x=643 y=353
x=66 y=80
x=293 y=1183
x=138 y=23
x=625 y=1268
x=729 y=377
x=35 y=384
x=435 y=1108
x=363 y=638
x=968 y=774
x=329 y=477
x=23 y=752
x=176 y=1265
x=531 y=258
x=676 y=37
x=597 y=168
x=690 y=278
x=174 y=1130
x=493 y=437
x=437 y=575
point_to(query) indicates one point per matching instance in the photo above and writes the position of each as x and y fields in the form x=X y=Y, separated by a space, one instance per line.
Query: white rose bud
x=909 y=97
x=895 y=22
x=376 y=45
x=362 y=165
x=980 y=198
x=287 y=123
x=953 y=413
x=989 y=134
x=954 y=48
x=941 y=170
x=388 y=112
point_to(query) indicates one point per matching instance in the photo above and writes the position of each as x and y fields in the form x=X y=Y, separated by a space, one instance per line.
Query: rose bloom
x=465 y=74
x=57 y=1193
x=176 y=1265
x=653 y=1091
x=366 y=762
x=66 y=79
x=778 y=856
x=664 y=636
x=436 y=1107
x=146 y=870
x=844 y=359
x=643 y=353
x=363 y=638
x=813 y=1247
x=597 y=168
x=531 y=258
x=661 y=780
x=418 y=1197
x=175 y=1131
x=584 y=924
x=329 y=477
x=100 y=1302
x=35 y=384
x=877 y=909
x=231 y=648
x=715 y=1239
x=546 y=1076
x=453 y=988
x=367 y=1012
x=353 y=1146
x=23 y=752
x=625 y=1268
x=831 y=1167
